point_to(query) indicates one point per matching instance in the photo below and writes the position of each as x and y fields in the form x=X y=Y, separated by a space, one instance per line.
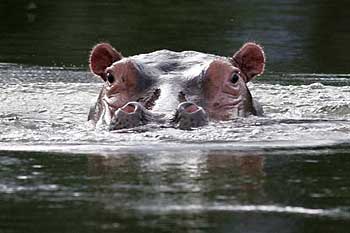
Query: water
x=45 y=108
x=284 y=172
x=163 y=191
x=298 y=36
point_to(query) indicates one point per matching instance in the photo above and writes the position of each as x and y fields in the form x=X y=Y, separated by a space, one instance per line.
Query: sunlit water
x=255 y=174
x=46 y=109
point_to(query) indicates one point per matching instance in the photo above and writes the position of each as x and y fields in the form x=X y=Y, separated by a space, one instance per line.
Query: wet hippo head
x=224 y=83
x=122 y=76
x=124 y=81
x=193 y=87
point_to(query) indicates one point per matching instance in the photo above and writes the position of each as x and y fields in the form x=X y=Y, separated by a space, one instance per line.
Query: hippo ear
x=102 y=56
x=250 y=59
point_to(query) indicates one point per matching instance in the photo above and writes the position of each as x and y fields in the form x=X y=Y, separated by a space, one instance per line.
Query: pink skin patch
x=128 y=108
x=250 y=59
x=226 y=94
x=191 y=108
x=102 y=56
x=221 y=94
x=124 y=85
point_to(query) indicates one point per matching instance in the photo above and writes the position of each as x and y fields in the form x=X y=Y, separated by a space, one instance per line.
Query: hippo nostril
x=190 y=115
x=130 y=115
x=129 y=108
x=188 y=107
x=191 y=108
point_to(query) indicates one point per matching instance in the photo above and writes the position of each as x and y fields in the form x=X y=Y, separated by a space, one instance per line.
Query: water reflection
x=31 y=12
x=199 y=174
x=167 y=185
x=193 y=191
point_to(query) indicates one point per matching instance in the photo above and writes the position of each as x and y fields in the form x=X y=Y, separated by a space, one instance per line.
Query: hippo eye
x=110 y=78
x=234 y=78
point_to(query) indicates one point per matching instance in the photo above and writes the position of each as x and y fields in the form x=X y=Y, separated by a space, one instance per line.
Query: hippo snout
x=189 y=115
x=130 y=115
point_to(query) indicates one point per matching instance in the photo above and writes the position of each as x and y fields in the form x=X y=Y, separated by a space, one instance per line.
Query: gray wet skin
x=183 y=90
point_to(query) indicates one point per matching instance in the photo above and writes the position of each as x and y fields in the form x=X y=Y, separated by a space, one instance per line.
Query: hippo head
x=224 y=83
x=122 y=78
x=160 y=82
x=124 y=84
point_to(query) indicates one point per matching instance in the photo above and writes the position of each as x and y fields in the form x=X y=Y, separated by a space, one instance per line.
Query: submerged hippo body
x=185 y=89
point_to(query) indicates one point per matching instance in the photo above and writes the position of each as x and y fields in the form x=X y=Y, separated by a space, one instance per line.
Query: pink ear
x=102 y=56
x=250 y=59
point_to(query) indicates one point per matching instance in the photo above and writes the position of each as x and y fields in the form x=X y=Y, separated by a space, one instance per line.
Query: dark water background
x=286 y=189
x=298 y=36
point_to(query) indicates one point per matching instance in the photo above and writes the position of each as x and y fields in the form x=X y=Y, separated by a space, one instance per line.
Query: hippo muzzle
x=189 y=115
x=131 y=115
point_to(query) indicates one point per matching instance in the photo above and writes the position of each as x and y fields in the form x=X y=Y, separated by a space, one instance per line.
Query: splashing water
x=43 y=108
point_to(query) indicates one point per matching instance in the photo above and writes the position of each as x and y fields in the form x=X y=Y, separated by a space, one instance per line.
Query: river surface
x=287 y=171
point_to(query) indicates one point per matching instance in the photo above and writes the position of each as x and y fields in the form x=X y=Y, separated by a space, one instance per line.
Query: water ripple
x=333 y=213
x=39 y=114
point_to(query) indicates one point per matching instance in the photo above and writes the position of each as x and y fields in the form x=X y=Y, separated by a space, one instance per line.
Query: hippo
x=184 y=90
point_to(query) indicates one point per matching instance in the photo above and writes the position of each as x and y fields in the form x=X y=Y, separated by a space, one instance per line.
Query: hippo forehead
x=185 y=64
x=165 y=65
x=176 y=71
